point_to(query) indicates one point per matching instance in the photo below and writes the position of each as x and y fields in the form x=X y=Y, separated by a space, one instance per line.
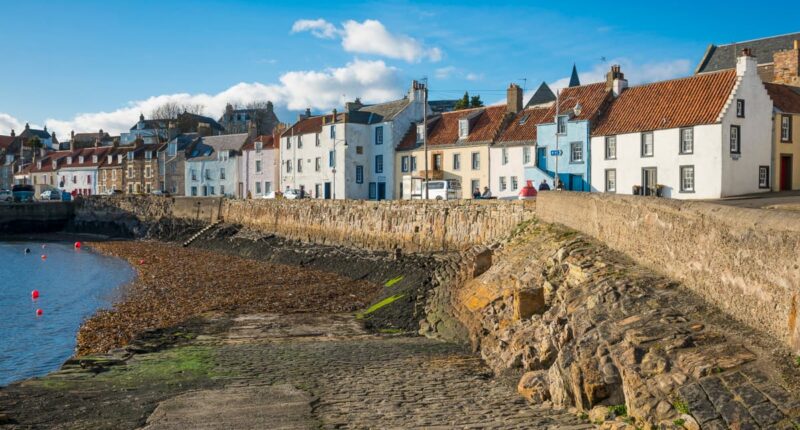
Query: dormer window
x=562 y=124
x=172 y=149
x=130 y=155
x=80 y=159
x=55 y=164
x=463 y=128
x=420 y=132
x=69 y=160
x=94 y=159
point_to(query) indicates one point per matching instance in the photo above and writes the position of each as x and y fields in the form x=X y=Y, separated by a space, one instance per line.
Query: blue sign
x=556 y=152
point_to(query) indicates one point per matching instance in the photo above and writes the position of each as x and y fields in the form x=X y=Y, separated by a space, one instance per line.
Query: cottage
x=212 y=166
x=260 y=166
x=172 y=163
x=701 y=137
x=78 y=172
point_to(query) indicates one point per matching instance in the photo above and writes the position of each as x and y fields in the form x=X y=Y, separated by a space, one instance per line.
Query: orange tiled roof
x=519 y=131
x=87 y=154
x=312 y=124
x=47 y=161
x=592 y=97
x=5 y=141
x=685 y=102
x=784 y=97
x=268 y=141
x=443 y=129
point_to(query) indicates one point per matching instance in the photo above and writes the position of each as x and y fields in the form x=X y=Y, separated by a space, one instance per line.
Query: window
x=258 y=166
x=611 y=147
x=331 y=159
x=379 y=164
x=147 y=171
x=420 y=132
x=299 y=142
x=379 y=135
x=359 y=174
x=110 y=159
x=94 y=159
x=763 y=177
x=476 y=161
x=194 y=174
x=80 y=159
x=413 y=163
x=130 y=172
x=740 y=108
x=258 y=187
x=437 y=161
x=576 y=152
x=288 y=166
x=359 y=149
x=687 y=179
x=333 y=131
x=562 y=124
x=69 y=160
x=288 y=143
x=119 y=158
x=318 y=164
x=687 y=140
x=299 y=165
x=786 y=128
x=208 y=173
x=267 y=187
x=211 y=190
x=172 y=149
x=456 y=161
x=647 y=144
x=463 y=128
x=148 y=155
x=502 y=183
x=147 y=188
x=736 y=147
x=221 y=190
x=504 y=156
x=89 y=179
x=316 y=139
x=526 y=155
x=130 y=155
x=222 y=173
x=404 y=163
x=514 y=183
x=194 y=191
x=611 y=180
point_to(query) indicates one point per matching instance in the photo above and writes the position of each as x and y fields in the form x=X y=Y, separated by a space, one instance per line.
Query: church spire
x=573 y=80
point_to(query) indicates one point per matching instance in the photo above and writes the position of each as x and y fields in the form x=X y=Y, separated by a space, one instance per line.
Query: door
x=541 y=158
x=786 y=173
x=649 y=181
x=327 y=190
x=373 y=191
x=381 y=190
x=240 y=194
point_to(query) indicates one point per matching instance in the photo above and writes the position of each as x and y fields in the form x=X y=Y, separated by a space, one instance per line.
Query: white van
x=449 y=189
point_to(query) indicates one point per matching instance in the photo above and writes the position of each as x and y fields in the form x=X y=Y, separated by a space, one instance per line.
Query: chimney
x=514 y=99
x=417 y=92
x=334 y=115
x=27 y=127
x=13 y=134
x=615 y=80
x=787 y=66
x=305 y=115
x=72 y=143
x=251 y=129
x=746 y=64
x=353 y=106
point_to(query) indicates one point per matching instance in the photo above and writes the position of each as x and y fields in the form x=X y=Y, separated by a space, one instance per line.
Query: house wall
x=270 y=167
x=139 y=178
x=666 y=159
x=791 y=148
x=514 y=167
x=230 y=182
x=465 y=174
x=111 y=178
x=82 y=181
x=172 y=173
x=740 y=174
x=577 y=131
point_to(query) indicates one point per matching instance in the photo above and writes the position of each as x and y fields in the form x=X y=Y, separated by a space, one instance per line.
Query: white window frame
x=611 y=180
x=576 y=152
x=736 y=139
x=686 y=145
x=463 y=128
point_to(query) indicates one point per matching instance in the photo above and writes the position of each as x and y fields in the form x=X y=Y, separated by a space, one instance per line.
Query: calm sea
x=72 y=285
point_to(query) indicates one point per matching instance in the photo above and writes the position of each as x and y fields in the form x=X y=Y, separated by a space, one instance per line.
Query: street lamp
x=577 y=110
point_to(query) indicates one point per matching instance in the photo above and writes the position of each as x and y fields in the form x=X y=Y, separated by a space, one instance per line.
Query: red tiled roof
x=87 y=154
x=5 y=141
x=47 y=161
x=443 y=129
x=591 y=97
x=786 y=98
x=519 y=131
x=683 y=102
x=268 y=141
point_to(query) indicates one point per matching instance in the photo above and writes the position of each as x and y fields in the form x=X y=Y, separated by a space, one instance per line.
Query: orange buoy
x=39 y=312
x=35 y=294
x=77 y=245
x=44 y=257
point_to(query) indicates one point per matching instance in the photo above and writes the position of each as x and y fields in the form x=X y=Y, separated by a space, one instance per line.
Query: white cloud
x=444 y=72
x=318 y=27
x=474 y=76
x=373 y=81
x=635 y=73
x=370 y=37
x=8 y=123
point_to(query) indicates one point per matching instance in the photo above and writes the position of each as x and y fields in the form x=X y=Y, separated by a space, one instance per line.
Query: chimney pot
x=514 y=99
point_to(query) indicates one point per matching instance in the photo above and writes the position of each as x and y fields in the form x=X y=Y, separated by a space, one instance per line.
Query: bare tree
x=171 y=110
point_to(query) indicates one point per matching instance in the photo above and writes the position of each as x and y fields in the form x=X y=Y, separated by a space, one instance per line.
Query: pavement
x=783 y=200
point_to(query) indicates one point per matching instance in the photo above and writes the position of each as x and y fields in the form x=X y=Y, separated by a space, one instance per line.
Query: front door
x=381 y=190
x=241 y=191
x=541 y=158
x=786 y=173
x=649 y=181
x=327 y=190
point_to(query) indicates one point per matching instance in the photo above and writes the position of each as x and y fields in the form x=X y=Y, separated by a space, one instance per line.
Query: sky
x=86 y=65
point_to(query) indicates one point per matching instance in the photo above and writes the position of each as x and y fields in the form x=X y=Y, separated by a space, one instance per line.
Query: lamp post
x=577 y=110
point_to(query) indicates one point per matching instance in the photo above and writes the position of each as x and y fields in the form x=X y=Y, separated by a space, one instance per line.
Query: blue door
x=373 y=190
x=327 y=190
x=541 y=158
x=381 y=190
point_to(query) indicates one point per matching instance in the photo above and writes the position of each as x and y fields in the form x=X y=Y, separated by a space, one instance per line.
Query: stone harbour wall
x=745 y=261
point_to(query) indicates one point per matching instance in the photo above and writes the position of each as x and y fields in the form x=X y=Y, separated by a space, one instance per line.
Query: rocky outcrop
x=585 y=327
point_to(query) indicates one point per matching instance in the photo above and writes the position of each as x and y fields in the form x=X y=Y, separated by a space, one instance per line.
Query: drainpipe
x=588 y=156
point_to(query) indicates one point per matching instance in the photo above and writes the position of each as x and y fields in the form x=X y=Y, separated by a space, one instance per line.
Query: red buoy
x=44 y=257
x=35 y=294
x=141 y=261
x=77 y=245
x=39 y=312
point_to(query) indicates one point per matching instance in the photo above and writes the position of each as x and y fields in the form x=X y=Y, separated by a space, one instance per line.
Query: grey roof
x=723 y=57
x=207 y=146
x=441 y=106
x=30 y=133
x=542 y=95
x=371 y=114
x=200 y=118
x=183 y=140
x=574 y=81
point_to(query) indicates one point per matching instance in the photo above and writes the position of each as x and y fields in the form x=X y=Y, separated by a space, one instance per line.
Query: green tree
x=462 y=103
x=475 y=102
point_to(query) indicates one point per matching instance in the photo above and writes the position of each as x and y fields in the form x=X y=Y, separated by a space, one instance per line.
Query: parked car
x=23 y=193
x=159 y=193
x=291 y=194
x=272 y=195
x=441 y=190
x=6 y=196
x=50 y=195
x=113 y=192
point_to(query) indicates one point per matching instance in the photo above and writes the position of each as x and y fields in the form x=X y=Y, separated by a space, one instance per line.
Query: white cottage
x=212 y=166
x=702 y=137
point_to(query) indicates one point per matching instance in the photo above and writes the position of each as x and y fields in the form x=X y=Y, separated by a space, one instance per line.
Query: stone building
x=172 y=163
x=141 y=168
x=262 y=119
x=212 y=166
x=44 y=170
x=773 y=54
x=786 y=145
x=112 y=171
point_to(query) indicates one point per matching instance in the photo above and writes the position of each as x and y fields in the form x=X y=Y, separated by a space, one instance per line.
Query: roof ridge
x=699 y=75
x=758 y=39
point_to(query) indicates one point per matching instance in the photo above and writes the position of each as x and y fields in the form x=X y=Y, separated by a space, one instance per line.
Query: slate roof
x=785 y=98
x=685 y=102
x=207 y=146
x=29 y=133
x=542 y=95
x=443 y=129
x=723 y=57
x=523 y=127
x=87 y=154
x=200 y=118
x=152 y=124
x=184 y=141
x=384 y=111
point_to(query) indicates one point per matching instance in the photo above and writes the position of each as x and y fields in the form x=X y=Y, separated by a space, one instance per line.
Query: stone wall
x=34 y=217
x=412 y=226
x=745 y=261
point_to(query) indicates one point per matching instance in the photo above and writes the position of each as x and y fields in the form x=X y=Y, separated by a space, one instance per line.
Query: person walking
x=544 y=186
x=486 y=193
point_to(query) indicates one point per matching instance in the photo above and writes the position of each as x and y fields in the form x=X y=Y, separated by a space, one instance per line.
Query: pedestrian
x=302 y=191
x=486 y=193
x=544 y=186
x=476 y=194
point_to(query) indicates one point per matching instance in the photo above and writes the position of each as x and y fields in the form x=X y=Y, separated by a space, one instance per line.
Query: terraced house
x=702 y=137
x=78 y=173
x=784 y=90
x=212 y=166
x=112 y=170
x=172 y=162
x=259 y=166
x=141 y=168
x=44 y=170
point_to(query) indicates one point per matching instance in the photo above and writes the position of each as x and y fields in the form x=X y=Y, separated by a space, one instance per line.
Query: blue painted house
x=563 y=144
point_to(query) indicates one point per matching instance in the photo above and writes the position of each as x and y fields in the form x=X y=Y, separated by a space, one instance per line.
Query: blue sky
x=85 y=65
